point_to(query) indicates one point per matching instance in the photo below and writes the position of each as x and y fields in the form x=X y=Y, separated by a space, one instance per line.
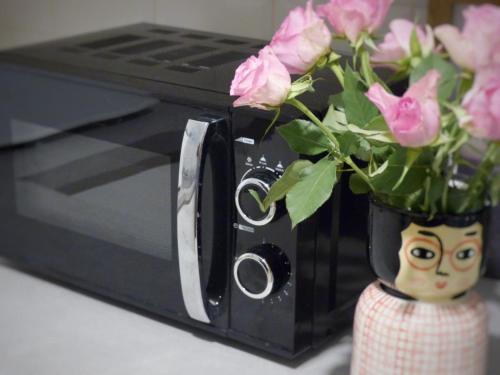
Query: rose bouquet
x=408 y=151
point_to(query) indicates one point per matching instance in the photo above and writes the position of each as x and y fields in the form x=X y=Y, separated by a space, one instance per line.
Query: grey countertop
x=46 y=328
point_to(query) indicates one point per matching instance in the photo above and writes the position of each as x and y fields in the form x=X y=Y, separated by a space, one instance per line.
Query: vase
x=420 y=317
x=493 y=262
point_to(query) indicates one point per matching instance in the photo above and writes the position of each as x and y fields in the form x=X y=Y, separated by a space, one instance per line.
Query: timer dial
x=259 y=180
x=261 y=271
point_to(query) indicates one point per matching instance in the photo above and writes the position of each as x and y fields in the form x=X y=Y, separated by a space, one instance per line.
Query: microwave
x=126 y=172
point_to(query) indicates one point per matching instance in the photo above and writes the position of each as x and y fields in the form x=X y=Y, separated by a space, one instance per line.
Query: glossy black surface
x=89 y=163
x=387 y=223
x=493 y=262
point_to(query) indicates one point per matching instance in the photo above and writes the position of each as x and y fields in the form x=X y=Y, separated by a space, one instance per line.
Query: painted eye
x=421 y=253
x=466 y=254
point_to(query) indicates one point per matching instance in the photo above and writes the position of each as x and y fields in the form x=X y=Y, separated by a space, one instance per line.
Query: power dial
x=259 y=180
x=261 y=271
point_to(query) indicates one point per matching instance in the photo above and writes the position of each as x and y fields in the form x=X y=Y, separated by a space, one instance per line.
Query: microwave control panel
x=267 y=262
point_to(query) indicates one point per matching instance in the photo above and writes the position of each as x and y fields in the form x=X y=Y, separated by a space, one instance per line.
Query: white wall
x=28 y=21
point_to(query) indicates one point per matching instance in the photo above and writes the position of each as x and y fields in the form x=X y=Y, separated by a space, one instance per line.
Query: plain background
x=28 y=21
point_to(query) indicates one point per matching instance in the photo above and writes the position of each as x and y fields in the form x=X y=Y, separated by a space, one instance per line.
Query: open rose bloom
x=396 y=45
x=414 y=118
x=301 y=39
x=406 y=150
x=478 y=44
x=351 y=17
x=482 y=104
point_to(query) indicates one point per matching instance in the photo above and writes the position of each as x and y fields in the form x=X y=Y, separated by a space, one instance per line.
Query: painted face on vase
x=439 y=263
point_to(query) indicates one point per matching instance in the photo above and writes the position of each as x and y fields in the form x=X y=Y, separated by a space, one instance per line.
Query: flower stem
x=366 y=68
x=339 y=73
x=484 y=172
x=306 y=111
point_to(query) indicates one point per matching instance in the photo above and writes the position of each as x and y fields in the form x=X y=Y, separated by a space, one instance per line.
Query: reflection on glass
x=111 y=192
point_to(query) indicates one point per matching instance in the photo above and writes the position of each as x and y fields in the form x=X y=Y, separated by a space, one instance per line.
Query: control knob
x=261 y=271
x=260 y=181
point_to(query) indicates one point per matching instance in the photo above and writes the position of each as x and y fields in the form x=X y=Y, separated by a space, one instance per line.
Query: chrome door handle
x=187 y=218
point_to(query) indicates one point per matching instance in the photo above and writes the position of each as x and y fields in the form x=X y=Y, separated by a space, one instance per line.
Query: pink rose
x=479 y=43
x=261 y=82
x=301 y=39
x=396 y=44
x=413 y=119
x=482 y=103
x=351 y=17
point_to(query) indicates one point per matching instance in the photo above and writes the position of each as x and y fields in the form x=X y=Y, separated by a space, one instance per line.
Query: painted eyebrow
x=470 y=234
x=427 y=233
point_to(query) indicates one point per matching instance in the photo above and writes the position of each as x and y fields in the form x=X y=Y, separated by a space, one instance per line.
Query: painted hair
x=386 y=225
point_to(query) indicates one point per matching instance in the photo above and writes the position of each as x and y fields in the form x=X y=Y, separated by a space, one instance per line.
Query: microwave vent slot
x=143 y=62
x=181 y=53
x=259 y=46
x=231 y=42
x=106 y=55
x=70 y=49
x=219 y=59
x=162 y=31
x=145 y=47
x=184 y=68
x=112 y=41
x=196 y=36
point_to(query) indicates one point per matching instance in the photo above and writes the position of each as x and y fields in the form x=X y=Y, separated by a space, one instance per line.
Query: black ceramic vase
x=430 y=260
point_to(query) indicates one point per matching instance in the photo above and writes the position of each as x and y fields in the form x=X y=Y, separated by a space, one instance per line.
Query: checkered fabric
x=393 y=336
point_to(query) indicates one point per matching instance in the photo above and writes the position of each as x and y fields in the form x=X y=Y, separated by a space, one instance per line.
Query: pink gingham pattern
x=393 y=336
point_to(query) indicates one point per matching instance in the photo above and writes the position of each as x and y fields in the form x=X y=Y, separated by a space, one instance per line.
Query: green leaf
x=292 y=175
x=495 y=190
x=415 y=47
x=256 y=196
x=311 y=192
x=300 y=86
x=378 y=124
x=353 y=144
x=335 y=120
x=380 y=169
x=385 y=181
x=374 y=135
x=358 y=185
x=358 y=108
x=435 y=193
x=304 y=137
x=412 y=155
x=349 y=143
x=447 y=70
x=496 y=160
x=336 y=100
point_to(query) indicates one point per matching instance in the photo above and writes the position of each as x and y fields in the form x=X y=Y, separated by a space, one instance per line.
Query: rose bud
x=261 y=82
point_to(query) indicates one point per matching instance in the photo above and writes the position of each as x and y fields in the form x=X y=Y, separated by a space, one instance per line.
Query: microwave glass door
x=92 y=179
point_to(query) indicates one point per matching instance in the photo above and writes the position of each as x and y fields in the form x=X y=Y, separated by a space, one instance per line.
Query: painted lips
x=441 y=284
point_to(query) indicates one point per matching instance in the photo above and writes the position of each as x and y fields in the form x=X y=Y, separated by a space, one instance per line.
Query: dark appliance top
x=165 y=54
x=168 y=62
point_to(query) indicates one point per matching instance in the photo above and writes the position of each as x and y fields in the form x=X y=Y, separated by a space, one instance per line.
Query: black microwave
x=126 y=172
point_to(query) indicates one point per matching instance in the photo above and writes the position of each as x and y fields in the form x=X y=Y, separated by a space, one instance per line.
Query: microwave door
x=96 y=205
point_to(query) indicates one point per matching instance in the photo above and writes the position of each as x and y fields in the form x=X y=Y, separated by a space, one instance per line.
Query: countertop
x=47 y=328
